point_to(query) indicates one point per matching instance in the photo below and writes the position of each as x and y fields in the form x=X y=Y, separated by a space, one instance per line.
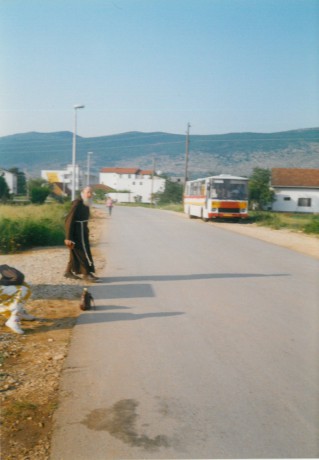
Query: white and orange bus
x=222 y=196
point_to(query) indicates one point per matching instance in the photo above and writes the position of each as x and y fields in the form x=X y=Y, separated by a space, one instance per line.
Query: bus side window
x=208 y=190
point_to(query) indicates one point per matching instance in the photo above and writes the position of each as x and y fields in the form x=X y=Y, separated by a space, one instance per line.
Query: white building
x=132 y=184
x=11 y=180
x=296 y=190
x=64 y=176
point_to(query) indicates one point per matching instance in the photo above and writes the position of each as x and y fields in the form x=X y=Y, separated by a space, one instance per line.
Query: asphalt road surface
x=204 y=344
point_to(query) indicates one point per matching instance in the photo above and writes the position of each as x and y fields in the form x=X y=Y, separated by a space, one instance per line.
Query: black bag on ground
x=10 y=276
x=87 y=300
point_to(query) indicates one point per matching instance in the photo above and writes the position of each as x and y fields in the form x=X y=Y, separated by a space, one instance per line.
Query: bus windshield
x=228 y=189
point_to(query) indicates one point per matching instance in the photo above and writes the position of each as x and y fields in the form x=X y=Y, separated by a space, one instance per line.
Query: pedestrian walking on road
x=77 y=238
x=109 y=204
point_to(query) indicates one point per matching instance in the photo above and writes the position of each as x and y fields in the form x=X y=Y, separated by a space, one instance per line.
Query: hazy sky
x=155 y=65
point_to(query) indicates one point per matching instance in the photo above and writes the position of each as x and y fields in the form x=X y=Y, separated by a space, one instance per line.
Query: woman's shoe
x=71 y=276
x=91 y=278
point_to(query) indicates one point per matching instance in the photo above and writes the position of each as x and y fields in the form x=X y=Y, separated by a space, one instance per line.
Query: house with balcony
x=296 y=190
x=64 y=178
x=132 y=184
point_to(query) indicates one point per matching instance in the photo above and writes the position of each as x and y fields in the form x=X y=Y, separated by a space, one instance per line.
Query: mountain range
x=234 y=153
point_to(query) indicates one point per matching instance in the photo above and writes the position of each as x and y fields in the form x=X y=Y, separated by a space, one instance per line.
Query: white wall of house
x=301 y=199
x=121 y=197
x=11 y=180
x=139 y=185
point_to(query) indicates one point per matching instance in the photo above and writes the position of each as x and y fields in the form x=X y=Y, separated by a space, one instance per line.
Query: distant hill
x=236 y=153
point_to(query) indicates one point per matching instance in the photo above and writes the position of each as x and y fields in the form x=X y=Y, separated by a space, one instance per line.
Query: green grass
x=313 y=225
x=177 y=207
x=306 y=223
x=30 y=226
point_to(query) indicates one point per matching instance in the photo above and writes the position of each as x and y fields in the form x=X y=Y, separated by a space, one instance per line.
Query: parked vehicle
x=222 y=196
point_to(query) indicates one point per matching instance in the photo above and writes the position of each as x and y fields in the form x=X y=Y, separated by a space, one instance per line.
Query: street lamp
x=76 y=107
x=186 y=154
x=88 y=169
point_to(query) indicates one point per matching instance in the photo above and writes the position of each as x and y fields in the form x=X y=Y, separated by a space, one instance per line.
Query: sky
x=156 y=65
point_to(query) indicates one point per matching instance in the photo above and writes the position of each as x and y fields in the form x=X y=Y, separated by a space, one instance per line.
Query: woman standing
x=109 y=204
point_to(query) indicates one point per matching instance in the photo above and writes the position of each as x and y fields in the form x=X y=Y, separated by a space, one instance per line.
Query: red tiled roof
x=120 y=170
x=294 y=177
x=146 y=172
x=103 y=187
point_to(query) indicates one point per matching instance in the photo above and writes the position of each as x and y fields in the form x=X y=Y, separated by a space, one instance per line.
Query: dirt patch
x=31 y=364
x=30 y=373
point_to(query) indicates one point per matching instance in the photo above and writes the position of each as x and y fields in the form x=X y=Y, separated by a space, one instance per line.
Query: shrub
x=38 y=195
x=29 y=228
x=10 y=235
x=173 y=193
x=27 y=233
x=313 y=225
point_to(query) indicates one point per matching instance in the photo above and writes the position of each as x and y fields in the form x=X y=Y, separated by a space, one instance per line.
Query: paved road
x=204 y=344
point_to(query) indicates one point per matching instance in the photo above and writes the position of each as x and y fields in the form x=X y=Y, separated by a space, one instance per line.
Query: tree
x=259 y=188
x=4 y=189
x=173 y=193
x=99 y=194
x=39 y=190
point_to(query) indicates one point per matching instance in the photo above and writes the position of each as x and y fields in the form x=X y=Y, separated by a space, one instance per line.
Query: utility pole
x=88 y=169
x=76 y=107
x=186 y=154
x=152 y=184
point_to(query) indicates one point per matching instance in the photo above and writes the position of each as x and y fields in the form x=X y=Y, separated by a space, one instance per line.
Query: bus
x=214 y=197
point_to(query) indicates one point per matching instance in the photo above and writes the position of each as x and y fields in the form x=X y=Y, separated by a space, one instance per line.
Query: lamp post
x=88 y=169
x=186 y=154
x=76 y=107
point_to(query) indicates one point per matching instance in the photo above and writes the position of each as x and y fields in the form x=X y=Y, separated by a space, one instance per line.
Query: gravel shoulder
x=31 y=364
x=297 y=241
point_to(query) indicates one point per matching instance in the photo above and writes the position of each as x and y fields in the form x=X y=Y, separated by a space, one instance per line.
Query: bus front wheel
x=205 y=219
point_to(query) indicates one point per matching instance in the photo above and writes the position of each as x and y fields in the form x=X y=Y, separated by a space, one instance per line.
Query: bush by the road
x=313 y=225
x=307 y=223
x=30 y=226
